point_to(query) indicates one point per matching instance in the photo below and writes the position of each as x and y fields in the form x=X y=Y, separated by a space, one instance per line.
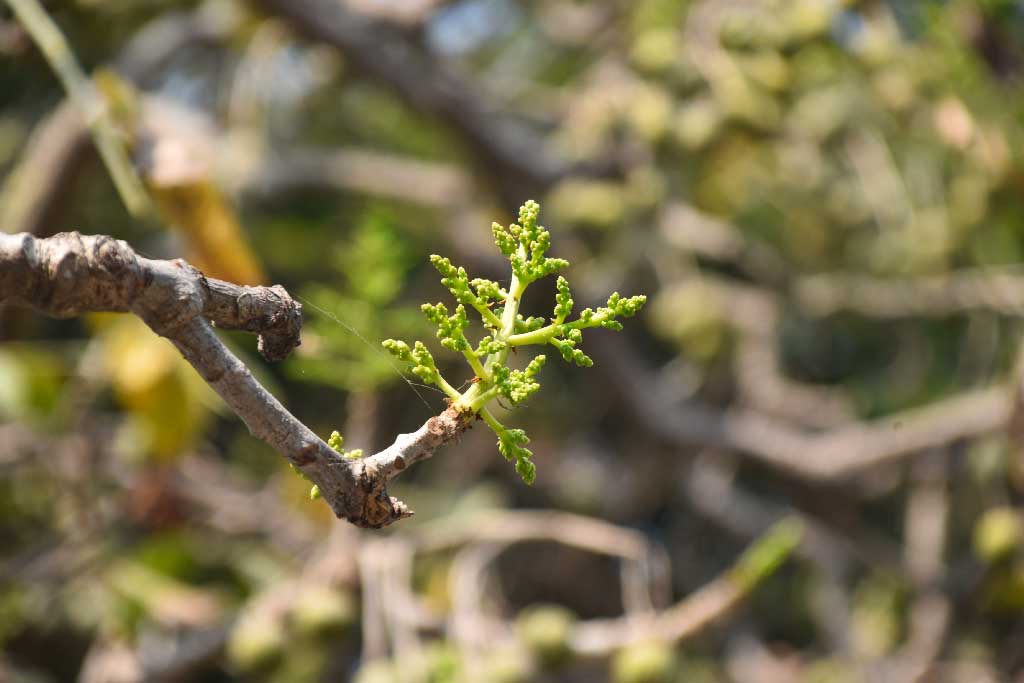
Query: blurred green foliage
x=774 y=151
x=359 y=307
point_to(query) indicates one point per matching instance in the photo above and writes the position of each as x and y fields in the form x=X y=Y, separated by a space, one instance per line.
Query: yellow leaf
x=216 y=242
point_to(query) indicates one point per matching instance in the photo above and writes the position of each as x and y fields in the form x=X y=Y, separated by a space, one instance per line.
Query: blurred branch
x=997 y=289
x=113 y=661
x=710 y=489
x=215 y=497
x=711 y=602
x=162 y=40
x=505 y=147
x=70 y=274
x=755 y=314
x=408 y=14
x=763 y=384
x=478 y=543
x=753 y=311
x=930 y=612
x=221 y=500
x=37 y=188
x=81 y=91
x=1015 y=427
x=355 y=170
x=684 y=227
x=816 y=456
x=645 y=573
x=473 y=628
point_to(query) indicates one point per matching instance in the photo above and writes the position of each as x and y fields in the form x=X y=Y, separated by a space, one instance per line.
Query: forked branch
x=71 y=274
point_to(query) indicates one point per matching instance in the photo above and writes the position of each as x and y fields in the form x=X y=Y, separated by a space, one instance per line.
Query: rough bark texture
x=70 y=274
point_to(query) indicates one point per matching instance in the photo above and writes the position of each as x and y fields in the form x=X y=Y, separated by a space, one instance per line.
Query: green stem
x=541 y=336
x=508 y=316
x=508 y=319
x=478 y=395
x=80 y=89
x=452 y=392
x=466 y=399
x=548 y=332
x=488 y=316
x=478 y=368
x=474 y=401
x=491 y=421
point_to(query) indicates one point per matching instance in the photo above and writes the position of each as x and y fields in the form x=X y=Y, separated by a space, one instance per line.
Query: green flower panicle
x=525 y=244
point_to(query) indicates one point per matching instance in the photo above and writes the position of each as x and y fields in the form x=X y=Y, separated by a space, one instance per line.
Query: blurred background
x=801 y=462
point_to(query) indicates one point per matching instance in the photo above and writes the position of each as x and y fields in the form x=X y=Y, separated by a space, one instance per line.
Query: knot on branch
x=377 y=508
x=280 y=330
x=69 y=273
x=269 y=312
x=447 y=426
x=362 y=498
x=174 y=297
x=113 y=257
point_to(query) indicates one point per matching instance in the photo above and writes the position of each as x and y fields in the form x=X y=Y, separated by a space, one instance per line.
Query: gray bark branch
x=70 y=274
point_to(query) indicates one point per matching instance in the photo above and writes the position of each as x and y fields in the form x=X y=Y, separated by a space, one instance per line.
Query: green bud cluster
x=419 y=357
x=525 y=244
x=490 y=345
x=512 y=445
x=563 y=301
x=567 y=347
x=450 y=329
x=518 y=385
x=528 y=324
x=337 y=443
x=478 y=293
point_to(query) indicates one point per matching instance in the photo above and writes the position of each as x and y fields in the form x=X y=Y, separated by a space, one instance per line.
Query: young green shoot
x=337 y=443
x=525 y=245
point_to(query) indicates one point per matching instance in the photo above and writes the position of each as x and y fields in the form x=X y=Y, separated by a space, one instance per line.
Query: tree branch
x=81 y=90
x=36 y=190
x=505 y=147
x=70 y=274
x=997 y=289
x=817 y=456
